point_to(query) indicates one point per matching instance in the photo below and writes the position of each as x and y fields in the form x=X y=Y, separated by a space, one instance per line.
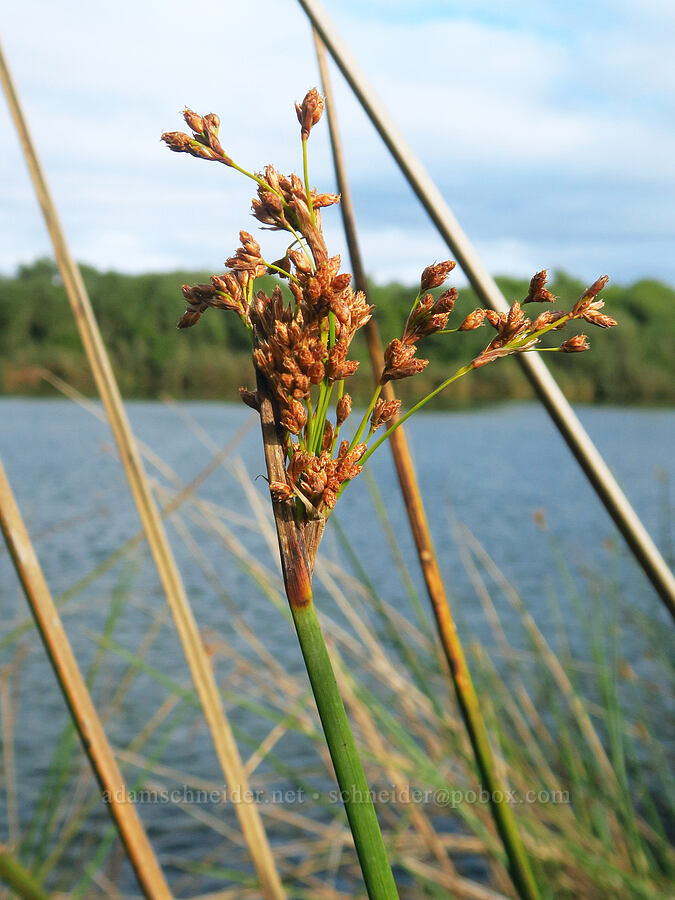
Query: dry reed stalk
x=77 y=697
x=82 y=806
x=527 y=718
x=7 y=721
x=553 y=663
x=186 y=626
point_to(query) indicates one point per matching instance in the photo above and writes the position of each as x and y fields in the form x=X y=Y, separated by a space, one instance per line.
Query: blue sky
x=548 y=128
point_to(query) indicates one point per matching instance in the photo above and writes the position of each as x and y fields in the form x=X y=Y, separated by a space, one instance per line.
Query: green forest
x=137 y=314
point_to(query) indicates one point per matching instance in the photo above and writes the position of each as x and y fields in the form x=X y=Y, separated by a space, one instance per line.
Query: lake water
x=490 y=470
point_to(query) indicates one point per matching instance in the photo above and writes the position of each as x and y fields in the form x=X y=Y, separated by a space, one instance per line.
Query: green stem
x=325 y=392
x=464 y=370
x=413 y=409
x=258 y=180
x=502 y=813
x=310 y=422
x=321 y=412
x=364 y=420
x=336 y=435
x=281 y=271
x=13 y=874
x=349 y=772
x=300 y=241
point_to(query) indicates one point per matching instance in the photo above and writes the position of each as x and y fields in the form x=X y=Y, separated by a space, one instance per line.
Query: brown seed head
x=194 y=121
x=321 y=200
x=576 y=344
x=474 y=320
x=299 y=462
x=343 y=408
x=177 y=141
x=446 y=302
x=211 y=123
x=384 y=411
x=585 y=302
x=309 y=112
x=327 y=437
x=537 y=292
x=548 y=318
x=593 y=315
x=190 y=317
x=399 y=361
x=434 y=276
x=597 y=286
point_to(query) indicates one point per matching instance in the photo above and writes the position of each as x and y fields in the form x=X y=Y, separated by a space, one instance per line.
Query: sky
x=548 y=127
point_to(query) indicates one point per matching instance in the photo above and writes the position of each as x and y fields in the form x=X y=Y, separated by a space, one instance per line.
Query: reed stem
x=186 y=626
x=76 y=695
x=354 y=790
x=297 y=560
x=13 y=874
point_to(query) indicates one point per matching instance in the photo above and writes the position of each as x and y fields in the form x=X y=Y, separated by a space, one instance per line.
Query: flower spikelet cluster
x=427 y=316
x=301 y=342
x=517 y=334
x=302 y=330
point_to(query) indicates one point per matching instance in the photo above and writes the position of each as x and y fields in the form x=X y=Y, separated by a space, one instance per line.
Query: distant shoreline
x=137 y=315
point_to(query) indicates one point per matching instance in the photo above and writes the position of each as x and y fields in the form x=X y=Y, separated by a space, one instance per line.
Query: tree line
x=137 y=314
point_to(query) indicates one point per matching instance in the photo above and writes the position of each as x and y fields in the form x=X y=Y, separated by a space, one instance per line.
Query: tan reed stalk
x=576 y=704
x=77 y=697
x=445 y=624
x=7 y=721
x=186 y=626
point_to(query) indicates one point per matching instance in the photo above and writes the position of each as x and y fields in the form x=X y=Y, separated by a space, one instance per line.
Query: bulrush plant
x=300 y=349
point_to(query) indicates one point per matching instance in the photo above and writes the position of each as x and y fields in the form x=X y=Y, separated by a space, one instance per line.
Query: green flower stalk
x=300 y=349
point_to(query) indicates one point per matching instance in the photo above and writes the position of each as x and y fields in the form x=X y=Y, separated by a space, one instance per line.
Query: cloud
x=545 y=133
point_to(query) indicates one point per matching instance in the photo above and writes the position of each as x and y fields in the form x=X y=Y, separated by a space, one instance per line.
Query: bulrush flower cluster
x=302 y=334
x=517 y=334
x=427 y=316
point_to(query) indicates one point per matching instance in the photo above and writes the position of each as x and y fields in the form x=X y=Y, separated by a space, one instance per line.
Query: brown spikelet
x=384 y=411
x=474 y=320
x=598 y=285
x=538 y=292
x=189 y=318
x=548 y=318
x=177 y=141
x=434 y=276
x=309 y=112
x=343 y=408
x=194 y=121
x=593 y=315
x=399 y=361
x=576 y=344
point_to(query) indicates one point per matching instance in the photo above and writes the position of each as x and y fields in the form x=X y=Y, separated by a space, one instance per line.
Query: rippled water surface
x=489 y=470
